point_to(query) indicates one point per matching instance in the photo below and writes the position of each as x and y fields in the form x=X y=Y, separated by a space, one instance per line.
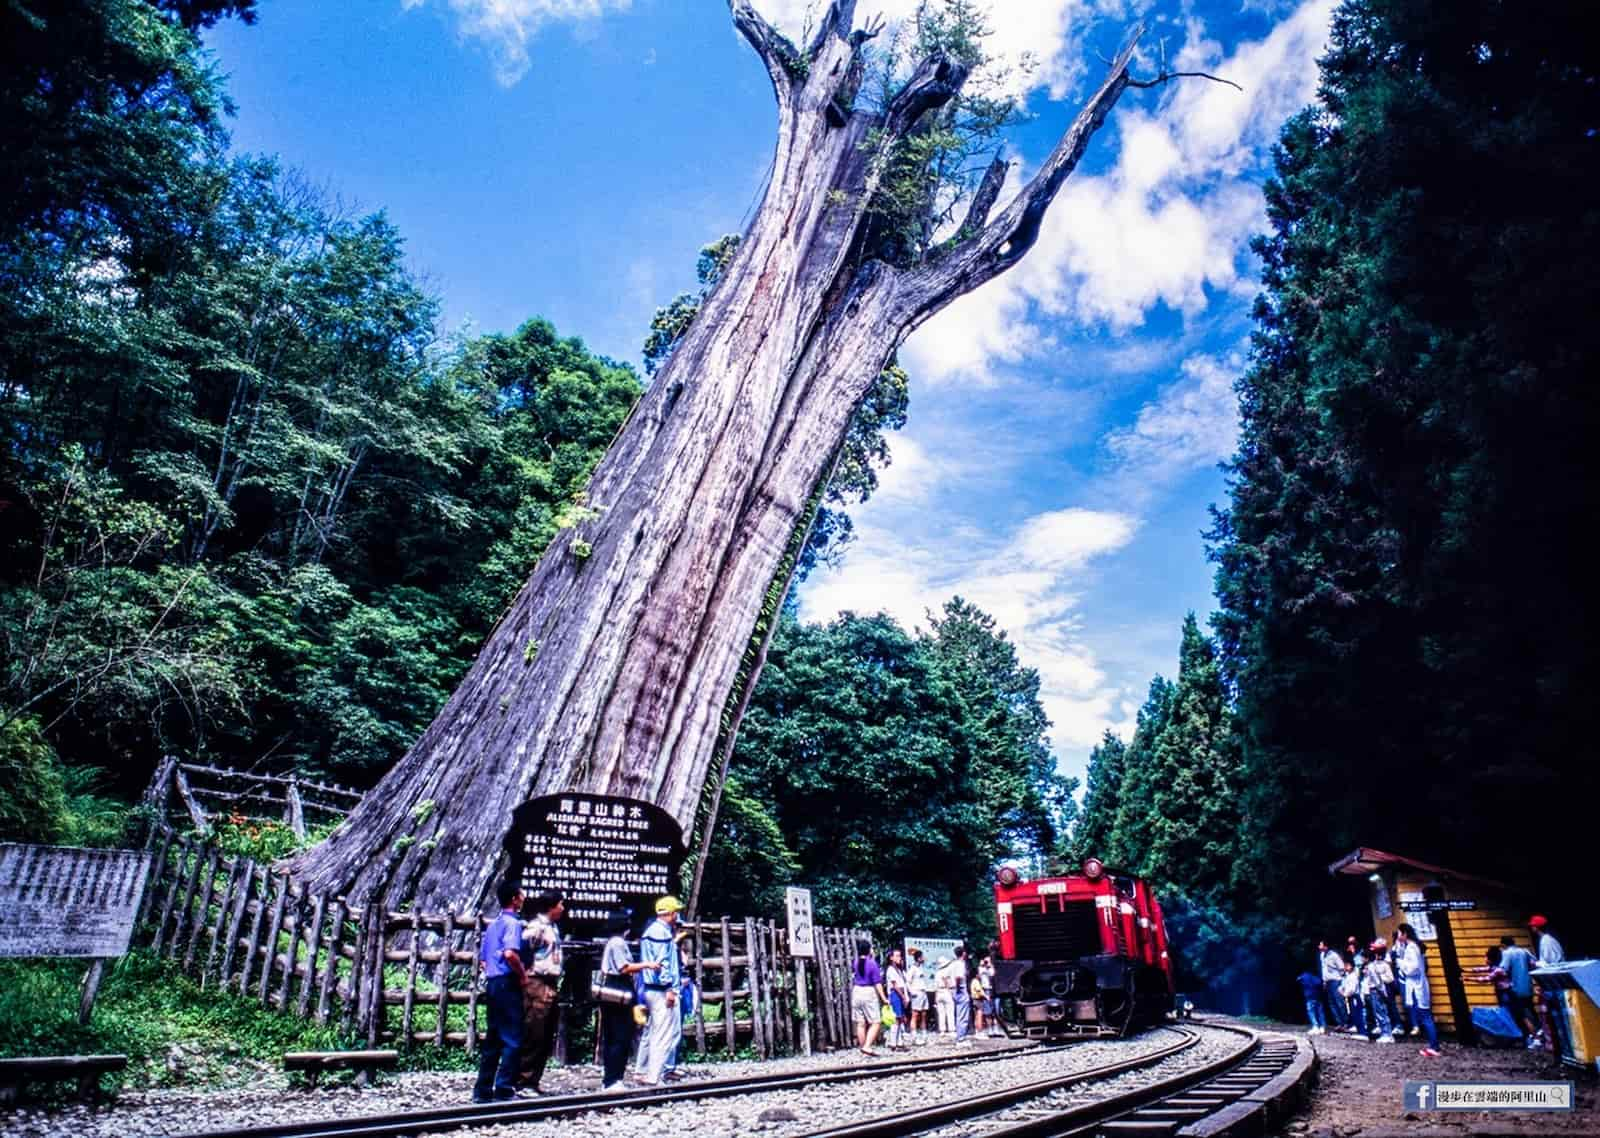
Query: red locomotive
x=1079 y=955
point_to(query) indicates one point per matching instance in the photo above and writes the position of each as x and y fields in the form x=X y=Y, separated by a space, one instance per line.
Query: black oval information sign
x=598 y=851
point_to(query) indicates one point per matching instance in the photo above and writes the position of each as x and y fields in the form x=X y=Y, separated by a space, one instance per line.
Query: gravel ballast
x=268 y=1099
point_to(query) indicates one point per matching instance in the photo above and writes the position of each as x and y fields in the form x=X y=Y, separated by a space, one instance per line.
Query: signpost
x=1457 y=906
x=802 y=944
x=63 y=901
x=599 y=851
x=802 y=938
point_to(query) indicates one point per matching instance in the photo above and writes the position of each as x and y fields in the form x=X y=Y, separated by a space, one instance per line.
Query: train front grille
x=1056 y=934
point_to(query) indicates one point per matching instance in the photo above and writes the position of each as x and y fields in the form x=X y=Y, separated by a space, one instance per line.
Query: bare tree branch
x=936 y=81
x=1166 y=76
x=770 y=44
x=837 y=20
x=1005 y=240
x=994 y=178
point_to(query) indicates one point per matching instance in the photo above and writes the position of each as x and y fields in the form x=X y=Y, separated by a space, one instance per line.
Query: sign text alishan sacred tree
x=622 y=667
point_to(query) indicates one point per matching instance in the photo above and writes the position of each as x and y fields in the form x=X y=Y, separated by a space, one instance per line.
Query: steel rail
x=943 y=1114
x=1089 y=1117
x=409 y=1123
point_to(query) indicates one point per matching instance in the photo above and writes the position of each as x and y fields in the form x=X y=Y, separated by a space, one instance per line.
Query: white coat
x=1413 y=971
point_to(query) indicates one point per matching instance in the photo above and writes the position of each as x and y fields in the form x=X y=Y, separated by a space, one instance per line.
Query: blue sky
x=567 y=158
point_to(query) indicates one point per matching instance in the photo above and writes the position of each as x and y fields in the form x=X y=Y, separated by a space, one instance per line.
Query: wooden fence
x=204 y=791
x=411 y=979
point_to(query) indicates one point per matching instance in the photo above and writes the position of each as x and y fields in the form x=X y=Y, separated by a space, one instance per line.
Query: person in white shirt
x=917 y=980
x=1413 y=971
x=944 y=996
x=1549 y=948
x=1549 y=951
x=899 y=986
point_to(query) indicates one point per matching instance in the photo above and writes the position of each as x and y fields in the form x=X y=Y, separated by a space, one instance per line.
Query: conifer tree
x=1103 y=788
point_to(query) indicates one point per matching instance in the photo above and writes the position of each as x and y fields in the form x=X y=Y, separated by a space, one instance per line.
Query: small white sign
x=933 y=947
x=1418 y=921
x=802 y=935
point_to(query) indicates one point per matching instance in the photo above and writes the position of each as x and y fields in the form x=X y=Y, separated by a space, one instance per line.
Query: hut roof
x=1365 y=860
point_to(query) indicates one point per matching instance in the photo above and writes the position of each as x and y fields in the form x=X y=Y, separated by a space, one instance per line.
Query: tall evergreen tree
x=1126 y=838
x=1191 y=830
x=1091 y=836
x=1403 y=585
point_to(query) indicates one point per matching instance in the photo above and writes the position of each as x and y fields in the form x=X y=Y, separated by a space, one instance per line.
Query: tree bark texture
x=612 y=669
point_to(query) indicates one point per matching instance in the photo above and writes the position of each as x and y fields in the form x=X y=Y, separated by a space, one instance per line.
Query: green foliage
x=887 y=772
x=254 y=508
x=1402 y=561
x=43 y=800
x=925 y=178
x=33 y=792
x=259 y=840
x=149 y=1010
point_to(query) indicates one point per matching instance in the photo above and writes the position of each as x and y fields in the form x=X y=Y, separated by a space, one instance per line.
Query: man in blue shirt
x=1518 y=962
x=502 y=967
x=664 y=1028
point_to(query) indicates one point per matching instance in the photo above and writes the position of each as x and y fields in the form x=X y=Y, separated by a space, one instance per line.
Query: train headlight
x=1009 y=877
x=1093 y=868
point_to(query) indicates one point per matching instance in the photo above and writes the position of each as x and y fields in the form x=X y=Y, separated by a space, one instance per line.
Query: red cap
x=1537 y=922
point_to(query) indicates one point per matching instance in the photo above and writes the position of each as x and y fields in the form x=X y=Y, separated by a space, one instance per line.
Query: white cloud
x=505 y=27
x=1047 y=32
x=1030 y=582
x=1191 y=424
x=1169 y=221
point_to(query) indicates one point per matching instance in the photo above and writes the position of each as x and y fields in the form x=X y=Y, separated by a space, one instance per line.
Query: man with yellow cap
x=664 y=1028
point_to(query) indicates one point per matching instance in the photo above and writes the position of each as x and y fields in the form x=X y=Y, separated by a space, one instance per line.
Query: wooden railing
x=411 y=979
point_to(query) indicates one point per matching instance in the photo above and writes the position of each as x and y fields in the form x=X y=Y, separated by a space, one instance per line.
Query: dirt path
x=1359 y=1092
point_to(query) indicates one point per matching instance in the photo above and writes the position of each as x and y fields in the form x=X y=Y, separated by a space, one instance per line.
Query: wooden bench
x=313 y=1063
x=87 y=1069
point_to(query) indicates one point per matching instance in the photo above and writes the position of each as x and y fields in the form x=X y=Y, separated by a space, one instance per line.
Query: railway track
x=1025 y=1110
x=553 y=1107
x=1158 y=1109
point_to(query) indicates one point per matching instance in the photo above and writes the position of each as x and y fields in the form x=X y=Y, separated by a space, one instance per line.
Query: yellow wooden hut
x=1458 y=916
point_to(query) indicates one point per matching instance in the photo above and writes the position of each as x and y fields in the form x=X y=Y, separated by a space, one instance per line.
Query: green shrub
x=44 y=800
x=171 y=1030
x=33 y=791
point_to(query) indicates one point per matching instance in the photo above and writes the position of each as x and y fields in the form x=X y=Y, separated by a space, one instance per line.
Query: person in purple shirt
x=503 y=972
x=867 y=997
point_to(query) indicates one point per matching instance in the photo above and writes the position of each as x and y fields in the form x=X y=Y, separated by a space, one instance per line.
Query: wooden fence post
x=313 y=943
x=174 y=886
x=700 y=987
x=409 y=998
x=241 y=898
x=197 y=816
x=202 y=913
x=293 y=923
x=330 y=971
x=727 y=988
x=447 y=948
x=475 y=941
x=294 y=809
x=158 y=869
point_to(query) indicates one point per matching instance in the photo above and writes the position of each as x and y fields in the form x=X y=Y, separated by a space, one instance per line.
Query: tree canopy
x=889 y=772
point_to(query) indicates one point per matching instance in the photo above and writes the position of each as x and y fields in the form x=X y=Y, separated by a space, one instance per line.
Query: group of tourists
x=1508 y=967
x=899 y=994
x=1379 y=991
x=644 y=1000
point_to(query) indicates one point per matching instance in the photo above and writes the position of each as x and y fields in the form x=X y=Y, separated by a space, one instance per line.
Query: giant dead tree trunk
x=612 y=669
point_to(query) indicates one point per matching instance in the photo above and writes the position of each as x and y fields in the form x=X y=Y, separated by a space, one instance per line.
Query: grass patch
x=173 y=1032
